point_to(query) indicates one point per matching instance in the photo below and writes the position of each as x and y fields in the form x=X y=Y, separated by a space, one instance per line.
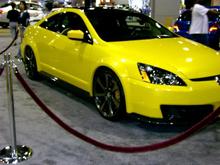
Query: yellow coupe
x=127 y=62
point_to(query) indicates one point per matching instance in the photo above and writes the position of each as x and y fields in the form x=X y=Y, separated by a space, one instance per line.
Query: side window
x=71 y=21
x=139 y=25
x=34 y=7
x=52 y=23
x=63 y=22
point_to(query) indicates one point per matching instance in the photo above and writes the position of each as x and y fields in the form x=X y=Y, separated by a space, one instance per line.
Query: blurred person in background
x=23 y=22
x=48 y=7
x=24 y=18
x=13 y=16
x=199 y=24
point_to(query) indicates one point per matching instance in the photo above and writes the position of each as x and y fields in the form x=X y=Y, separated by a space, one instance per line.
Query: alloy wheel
x=30 y=64
x=108 y=95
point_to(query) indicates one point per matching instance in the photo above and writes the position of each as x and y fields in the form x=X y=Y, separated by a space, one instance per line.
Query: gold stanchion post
x=15 y=153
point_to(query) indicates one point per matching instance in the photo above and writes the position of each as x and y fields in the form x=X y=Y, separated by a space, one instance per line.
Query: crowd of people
x=18 y=20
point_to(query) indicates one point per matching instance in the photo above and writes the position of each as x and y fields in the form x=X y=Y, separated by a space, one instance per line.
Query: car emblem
x=217 y=79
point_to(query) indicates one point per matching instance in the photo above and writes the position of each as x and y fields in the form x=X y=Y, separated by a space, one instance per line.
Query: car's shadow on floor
x=82 y=96
x=129 y=121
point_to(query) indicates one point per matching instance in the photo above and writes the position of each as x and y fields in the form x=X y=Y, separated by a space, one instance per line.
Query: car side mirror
x=75 y=35
x=171 y=28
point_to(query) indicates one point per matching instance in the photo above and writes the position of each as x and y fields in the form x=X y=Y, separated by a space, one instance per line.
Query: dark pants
x=201 y=38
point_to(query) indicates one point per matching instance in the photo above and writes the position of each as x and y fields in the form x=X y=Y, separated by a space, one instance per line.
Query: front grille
x=184 y=113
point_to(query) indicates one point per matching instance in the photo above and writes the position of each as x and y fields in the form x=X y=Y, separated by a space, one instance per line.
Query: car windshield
x=119 y=25
x=5 y=5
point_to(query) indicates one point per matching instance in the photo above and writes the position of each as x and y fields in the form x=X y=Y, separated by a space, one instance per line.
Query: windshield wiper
x=163 y=36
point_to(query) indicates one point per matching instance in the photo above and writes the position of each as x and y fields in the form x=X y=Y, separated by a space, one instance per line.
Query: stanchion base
x=22 y=153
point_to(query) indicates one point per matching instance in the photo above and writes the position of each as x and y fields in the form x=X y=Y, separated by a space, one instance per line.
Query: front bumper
x=185 y=114
x=172 y=103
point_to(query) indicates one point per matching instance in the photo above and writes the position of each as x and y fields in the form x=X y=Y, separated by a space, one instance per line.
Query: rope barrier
x=16 y=35
x=133 y=149
x=13 y=153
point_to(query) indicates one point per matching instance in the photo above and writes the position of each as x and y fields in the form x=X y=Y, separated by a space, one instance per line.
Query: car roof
x=95 y=10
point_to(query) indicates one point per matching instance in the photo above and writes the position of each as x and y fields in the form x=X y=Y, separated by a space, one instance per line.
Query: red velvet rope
x=16 y=35
x=1 y=69
x=132 y=149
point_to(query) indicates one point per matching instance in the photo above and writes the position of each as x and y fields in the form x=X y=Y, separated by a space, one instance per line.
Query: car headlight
x=160 y=76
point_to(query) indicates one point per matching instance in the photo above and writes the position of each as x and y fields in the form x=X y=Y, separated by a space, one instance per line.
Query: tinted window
x=5 y=5
x=186 y=16
x=71 y=21
x=63 y=22
x=52 y=23
x=34 y=7
x=119 y=25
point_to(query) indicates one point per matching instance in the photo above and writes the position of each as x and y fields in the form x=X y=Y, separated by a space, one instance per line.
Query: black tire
x=108 y=95
x=30 y=64
x=5 y=26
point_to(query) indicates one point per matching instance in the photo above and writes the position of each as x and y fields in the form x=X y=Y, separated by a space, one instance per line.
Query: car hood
x=178 y=55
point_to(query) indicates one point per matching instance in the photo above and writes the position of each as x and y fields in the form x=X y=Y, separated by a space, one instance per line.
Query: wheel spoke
x=27 y=58
x=30 y=64
x=115 y=86
x=110 y=109
x=100 y=94
x=100 y=84
x=102 y=106
x=116 y=102
x=108 y=96
x=107 y=81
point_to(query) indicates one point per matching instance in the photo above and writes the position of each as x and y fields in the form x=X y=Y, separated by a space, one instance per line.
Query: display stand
x=15 y=153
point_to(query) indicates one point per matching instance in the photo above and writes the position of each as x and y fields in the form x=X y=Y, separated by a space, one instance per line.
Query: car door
x=71 y=57
x=48 y=32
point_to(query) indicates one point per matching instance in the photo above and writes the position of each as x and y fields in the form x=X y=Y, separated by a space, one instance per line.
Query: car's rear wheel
x=30 y=64
x=108 y=94
x=5 y=25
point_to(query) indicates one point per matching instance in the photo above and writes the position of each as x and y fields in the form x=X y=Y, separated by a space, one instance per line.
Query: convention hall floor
x=52 y=145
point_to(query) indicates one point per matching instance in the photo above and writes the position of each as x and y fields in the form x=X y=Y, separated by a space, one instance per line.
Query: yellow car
x=128 y=62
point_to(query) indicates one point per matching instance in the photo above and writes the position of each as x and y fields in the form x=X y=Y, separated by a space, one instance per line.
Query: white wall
x=165 y=11
x=215 y=2
x=121 y=1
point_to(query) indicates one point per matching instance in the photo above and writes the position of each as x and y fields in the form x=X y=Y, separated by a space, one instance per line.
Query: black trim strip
x=205 y=78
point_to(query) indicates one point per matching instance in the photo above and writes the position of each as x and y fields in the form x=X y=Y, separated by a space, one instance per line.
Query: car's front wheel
x=30 y=64
x=108 y=94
